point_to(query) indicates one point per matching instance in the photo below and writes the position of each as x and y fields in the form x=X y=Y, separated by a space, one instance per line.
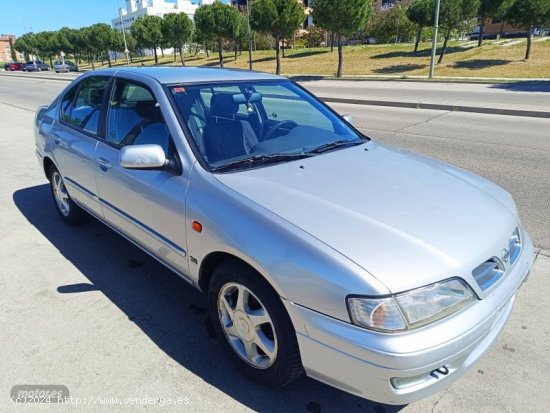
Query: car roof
x=169 y=75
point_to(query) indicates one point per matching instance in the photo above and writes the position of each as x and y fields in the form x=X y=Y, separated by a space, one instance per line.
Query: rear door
x=75 y=137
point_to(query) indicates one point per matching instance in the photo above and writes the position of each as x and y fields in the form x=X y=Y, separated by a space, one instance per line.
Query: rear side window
x=81 y=106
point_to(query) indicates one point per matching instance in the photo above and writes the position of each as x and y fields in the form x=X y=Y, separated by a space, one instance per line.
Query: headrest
x=223 y=105
x=96 y=96
x=147 y=109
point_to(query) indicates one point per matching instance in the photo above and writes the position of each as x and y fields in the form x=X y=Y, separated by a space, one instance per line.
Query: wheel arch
x=47 y=164
x=214 y=259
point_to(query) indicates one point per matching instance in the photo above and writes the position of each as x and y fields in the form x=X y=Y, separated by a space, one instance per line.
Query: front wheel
x=253 y=325
x=70 y=212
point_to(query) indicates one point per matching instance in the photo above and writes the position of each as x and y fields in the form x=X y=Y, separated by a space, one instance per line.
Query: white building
x=138 y=8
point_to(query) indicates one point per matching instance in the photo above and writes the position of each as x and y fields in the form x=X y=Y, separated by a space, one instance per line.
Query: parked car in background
x=35 y=66
x=11 y=66
x=64 y=66
x=378 y=271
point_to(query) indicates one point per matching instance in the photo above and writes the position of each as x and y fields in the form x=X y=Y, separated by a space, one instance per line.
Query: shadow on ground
x=305 y=53
x=525 y=86
x=170 y=312
x=475 y=64
x=399 y=68
x=420 y=53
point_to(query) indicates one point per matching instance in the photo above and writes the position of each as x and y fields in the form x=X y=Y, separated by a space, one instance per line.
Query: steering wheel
x=289 y=123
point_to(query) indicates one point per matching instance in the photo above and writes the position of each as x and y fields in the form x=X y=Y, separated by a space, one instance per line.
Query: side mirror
x=142 y=157
x=348 y=118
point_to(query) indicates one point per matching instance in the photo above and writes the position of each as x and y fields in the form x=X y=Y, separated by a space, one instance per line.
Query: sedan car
x=12 y=66
x=378 y=271
x=64 y=66
x=35 y=66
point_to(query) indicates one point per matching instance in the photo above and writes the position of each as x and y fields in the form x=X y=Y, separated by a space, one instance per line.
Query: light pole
x=126 y=51
x=434 y=40
x=249 y=37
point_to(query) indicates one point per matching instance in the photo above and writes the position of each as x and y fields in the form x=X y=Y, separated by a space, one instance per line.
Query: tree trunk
x=156 y=57
x=162 y=52
x=481 y=30
x=206 y=47
x=182 y=56
x=175 y=52
x=51 y=62
x=501 y=29
x=340 y=57
x=92 y=61
x=236 y=50
x=418 y=34
x=101 y=58
x=220 y=52
x=331 y=42
x=283 y=47
x=529 y=37
x=447 y=35
x=278 y=55
x=108 y=59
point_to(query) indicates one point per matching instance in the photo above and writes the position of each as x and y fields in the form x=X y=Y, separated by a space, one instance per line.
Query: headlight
x=411 y=309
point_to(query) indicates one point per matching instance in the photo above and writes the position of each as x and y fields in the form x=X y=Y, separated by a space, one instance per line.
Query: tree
x=177 y=29
x=489 y=8
x=279 y=18
x=453 y=14
x=529 y=14
x=344 y=18
x=221 y=21
x=391 y=25
x=147 y=32
x=25 y=45
x=13 y=53
x=420 y=12
x=44 y=43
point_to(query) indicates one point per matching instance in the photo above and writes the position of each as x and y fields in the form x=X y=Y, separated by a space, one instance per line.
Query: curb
x=397 y=104
x=437 y=106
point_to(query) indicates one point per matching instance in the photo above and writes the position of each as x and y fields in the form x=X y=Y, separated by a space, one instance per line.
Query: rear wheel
x=70 y=212
x=253 y=325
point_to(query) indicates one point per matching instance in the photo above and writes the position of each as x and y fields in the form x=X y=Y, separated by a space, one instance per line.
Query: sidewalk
x=516 y=98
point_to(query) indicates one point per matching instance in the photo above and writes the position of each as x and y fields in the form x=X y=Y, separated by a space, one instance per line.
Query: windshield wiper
x=260 y=160
x=334 y=145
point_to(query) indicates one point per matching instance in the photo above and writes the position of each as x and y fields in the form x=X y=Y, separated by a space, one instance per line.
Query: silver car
x=375 y=270
x=64 y=66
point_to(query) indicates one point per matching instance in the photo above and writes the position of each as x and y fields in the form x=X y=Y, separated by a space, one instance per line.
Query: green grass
x=492 y=60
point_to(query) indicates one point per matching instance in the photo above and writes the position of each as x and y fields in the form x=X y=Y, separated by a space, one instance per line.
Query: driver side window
x=134 y=117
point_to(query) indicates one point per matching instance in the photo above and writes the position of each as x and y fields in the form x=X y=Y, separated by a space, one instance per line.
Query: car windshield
x=247 y=124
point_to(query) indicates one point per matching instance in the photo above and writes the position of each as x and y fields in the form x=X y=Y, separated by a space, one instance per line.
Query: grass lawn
x=494 y=59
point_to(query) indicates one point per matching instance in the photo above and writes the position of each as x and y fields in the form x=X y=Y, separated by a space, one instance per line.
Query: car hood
x=406 y=219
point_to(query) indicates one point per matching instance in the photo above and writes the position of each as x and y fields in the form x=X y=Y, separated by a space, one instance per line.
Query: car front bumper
x=404 y=367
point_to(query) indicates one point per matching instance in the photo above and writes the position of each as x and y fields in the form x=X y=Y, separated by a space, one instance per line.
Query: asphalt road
x=84 y=308
x=514 y=95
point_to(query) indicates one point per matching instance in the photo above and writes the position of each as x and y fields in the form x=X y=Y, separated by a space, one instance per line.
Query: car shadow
x=169 y=311
x=524 y=86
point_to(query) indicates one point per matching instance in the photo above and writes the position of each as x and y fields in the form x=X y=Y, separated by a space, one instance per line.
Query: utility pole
x=249 y=37
x=126 y=51
x=434 y=40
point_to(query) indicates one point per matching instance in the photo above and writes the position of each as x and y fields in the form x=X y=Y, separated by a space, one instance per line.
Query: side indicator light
x=197 y=226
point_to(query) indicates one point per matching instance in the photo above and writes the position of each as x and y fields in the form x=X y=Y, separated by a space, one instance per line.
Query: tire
x=281 y=363
x=69 y=212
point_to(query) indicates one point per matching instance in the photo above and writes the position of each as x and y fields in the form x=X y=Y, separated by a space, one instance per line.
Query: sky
x=21 y=16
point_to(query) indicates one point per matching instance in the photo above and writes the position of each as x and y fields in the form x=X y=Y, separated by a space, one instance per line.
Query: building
x=5 y=49
x=241 y=5
x=139 y=8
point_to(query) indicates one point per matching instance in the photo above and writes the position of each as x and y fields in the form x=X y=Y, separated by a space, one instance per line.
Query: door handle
x=104 y=164
x=57 y=140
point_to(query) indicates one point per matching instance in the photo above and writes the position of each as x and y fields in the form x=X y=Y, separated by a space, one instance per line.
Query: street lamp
x=249 y=37
x=434 y=40
x=126 y=51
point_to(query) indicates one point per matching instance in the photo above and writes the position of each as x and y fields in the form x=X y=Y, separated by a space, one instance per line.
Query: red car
x=14 y=66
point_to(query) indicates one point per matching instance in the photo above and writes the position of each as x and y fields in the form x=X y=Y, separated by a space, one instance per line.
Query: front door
x=148 y=206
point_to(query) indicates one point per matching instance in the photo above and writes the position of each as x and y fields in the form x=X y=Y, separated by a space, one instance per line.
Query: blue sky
x=20 y=16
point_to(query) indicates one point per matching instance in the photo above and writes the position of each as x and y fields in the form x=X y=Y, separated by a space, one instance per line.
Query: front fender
x=299 y=267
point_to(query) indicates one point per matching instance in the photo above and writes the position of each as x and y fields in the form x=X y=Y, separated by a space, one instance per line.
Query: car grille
x=493 y=269
x=488 y=273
